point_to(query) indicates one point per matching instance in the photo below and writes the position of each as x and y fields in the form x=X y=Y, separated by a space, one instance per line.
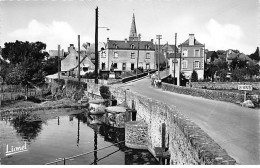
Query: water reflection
x=56 y=140
x=26 y=127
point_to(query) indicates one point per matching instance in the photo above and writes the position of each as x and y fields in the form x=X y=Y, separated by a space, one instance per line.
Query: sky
x=219 y=24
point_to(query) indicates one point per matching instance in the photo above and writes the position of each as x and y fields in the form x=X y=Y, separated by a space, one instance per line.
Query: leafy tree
x=194 y=76
x=26 y=62
x=255 y=56
x=50 y=66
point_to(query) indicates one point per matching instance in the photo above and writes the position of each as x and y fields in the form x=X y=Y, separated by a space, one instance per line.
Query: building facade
x=69 y=64
x=124 y=55
x=192 y=57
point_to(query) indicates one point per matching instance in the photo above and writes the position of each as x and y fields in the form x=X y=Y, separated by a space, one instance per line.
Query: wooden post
x=245 y=96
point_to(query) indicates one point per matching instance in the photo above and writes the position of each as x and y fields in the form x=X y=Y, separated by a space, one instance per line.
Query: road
x=234 y=128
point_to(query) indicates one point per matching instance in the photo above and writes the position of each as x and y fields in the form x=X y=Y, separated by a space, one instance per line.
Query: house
x=165 y=50
x=232 y=55
x=54 y=53
x=174 y=63
x=69 y=64
x=124 y=55
x=192 y=55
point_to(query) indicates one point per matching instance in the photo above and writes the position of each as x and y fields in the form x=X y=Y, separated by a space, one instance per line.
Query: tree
x=255 y=56
x=26 y=62
x=194 y=76
x=50 y=66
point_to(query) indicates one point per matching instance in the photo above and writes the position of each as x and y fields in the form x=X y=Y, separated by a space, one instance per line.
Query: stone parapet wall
x=224 y=85
x=209 y=94
x=187 y=143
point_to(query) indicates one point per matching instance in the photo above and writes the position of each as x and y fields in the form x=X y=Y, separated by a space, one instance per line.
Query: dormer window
x=115 y=45
x=132 y=46
x=147 y=47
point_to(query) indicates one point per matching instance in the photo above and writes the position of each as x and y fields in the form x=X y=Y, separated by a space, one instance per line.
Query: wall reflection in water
x=116 y=135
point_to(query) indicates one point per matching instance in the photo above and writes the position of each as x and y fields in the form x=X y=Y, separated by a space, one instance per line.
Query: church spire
x=133 y=33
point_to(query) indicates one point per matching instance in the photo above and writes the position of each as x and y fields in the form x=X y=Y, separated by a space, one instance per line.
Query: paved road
x=234 y=128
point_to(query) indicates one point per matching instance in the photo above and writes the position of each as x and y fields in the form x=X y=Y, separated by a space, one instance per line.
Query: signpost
x=245 y=88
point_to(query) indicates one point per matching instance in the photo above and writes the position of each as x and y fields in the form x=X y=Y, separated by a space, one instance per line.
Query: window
x=185 y=53
x=115 y=45
x=103 y=54
x=197 y=53
x=147 y=47
x=184 y=64
x=85 y=69
x=103 y=66
x=124 y=66
x=196 y=64
x=148 y=56
x=115 y=65
x=132 y=55
x=115 y=55
x=132 y=46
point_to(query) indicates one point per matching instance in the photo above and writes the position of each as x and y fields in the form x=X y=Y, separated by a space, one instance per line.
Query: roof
x=196 y=43
x=54 y=53
x=170 y=47
x=126 y=45
x=239 y=56
x=172 y=55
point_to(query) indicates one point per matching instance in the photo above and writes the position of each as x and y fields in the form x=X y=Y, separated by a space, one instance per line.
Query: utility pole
x=96 y=48
x=180 y=68
x=79 y=58
x=137 y=60
x=174 y=58
x=166 y=56
x=59 y=62
x=159 y=37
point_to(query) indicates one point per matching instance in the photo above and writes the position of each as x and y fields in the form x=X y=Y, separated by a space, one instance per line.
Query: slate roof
x=196 y=43
x=126 y=45
x=172 y=55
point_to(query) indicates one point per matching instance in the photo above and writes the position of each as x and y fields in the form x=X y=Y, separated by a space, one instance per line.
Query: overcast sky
x=219 y=24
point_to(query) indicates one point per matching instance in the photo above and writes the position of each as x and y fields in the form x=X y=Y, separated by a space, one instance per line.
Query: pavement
x=234 y=128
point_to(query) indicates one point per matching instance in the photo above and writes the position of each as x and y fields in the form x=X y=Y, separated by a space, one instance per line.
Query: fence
x=15 y=94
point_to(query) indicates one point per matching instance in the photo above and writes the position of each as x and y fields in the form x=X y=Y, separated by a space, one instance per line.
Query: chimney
x=125 y=40
x=107 y=39
x=191 y=39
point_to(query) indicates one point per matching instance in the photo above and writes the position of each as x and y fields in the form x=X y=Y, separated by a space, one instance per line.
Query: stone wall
x=187 y=143
x=224 y=85
x=211 y=94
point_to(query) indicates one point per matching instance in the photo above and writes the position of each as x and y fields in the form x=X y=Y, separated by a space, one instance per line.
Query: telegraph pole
x=174 y=58
x=59 y=62
x=96 y=48
x=79 y=58
x=180 y=67
x=167 y=57
x=159 y=37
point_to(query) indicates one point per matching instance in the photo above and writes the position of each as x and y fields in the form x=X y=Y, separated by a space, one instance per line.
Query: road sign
x=245 y=87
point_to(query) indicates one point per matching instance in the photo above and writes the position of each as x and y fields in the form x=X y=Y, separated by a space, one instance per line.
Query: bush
x=104 y=92
x=194 y=76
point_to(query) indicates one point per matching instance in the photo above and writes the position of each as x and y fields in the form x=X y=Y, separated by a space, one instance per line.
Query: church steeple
x=133 y=33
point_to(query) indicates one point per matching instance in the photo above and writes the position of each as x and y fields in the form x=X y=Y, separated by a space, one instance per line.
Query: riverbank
x=41 y=111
